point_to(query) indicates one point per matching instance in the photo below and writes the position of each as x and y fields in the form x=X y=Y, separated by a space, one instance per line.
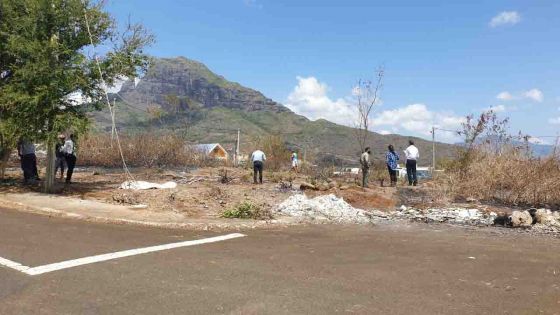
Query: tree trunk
x=51 y=160
x=5 y=156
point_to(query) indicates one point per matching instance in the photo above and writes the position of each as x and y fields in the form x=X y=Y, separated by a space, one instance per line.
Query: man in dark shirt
x=60 y=158
x=26 y=152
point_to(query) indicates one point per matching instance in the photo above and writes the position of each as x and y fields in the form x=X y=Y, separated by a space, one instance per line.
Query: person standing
x=295 y=162
x=364 y=161
x=412 y=156
x=391 y=158
x=258 y=157
x=70 y=156
x=60 y=158
x=26 y=152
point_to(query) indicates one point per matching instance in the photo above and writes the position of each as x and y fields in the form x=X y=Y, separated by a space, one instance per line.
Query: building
x=212 y=150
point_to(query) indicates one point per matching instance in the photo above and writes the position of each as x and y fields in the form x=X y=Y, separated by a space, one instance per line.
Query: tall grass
x=511 y=177
x=139 y=150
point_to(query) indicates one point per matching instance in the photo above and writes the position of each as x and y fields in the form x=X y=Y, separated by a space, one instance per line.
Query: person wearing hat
x=60 y=158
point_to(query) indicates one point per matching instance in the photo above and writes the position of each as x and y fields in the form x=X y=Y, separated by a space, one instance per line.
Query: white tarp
x=141 y=185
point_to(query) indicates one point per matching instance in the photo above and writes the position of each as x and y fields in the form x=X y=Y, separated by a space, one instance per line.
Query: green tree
x=46 y=62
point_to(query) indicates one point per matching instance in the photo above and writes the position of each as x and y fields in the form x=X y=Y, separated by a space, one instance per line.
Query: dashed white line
x=32 y=271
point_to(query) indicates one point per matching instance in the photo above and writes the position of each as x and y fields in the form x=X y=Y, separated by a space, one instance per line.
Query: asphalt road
x=392 y=269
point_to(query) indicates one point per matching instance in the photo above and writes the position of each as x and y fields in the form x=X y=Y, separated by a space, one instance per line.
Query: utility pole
x=433 y=150
x=237 y=148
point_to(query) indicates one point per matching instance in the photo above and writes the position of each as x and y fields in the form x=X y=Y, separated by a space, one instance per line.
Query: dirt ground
x=202 y=193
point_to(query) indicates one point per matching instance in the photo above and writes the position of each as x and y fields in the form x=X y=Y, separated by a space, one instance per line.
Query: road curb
x=196 y=226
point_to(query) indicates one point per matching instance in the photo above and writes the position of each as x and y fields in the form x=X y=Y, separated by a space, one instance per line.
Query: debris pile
x=447 y=215
x=327 y=208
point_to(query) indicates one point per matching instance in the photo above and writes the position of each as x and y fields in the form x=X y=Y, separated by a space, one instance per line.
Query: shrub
x=247 y=210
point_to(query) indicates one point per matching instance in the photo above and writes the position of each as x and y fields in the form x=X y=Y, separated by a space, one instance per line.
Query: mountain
x=185 y=96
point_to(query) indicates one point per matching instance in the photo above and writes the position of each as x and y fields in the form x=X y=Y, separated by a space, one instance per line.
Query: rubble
x=305 y=186
x=327 y=208
x=448 y=215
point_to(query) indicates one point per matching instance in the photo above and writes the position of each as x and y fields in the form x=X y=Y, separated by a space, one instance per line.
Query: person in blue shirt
x=391 y=158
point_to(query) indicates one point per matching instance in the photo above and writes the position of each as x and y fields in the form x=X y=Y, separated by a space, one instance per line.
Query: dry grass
x=139 y=150
x=510 y=177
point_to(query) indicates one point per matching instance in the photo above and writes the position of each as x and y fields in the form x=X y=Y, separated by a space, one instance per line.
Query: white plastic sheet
x=142 y=185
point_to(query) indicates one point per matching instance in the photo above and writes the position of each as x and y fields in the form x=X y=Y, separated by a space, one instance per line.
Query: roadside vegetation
x=247 y=210
x=496 y=167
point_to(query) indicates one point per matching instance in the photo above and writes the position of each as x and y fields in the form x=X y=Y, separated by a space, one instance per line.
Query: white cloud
x=309 y=98
x=554 y=121
x=505 y=96
x=497 y=108
x=417 y=120
x=505 y=18
x=534 y=94
x=75 y=99
x=384 y=132
x=252 y=3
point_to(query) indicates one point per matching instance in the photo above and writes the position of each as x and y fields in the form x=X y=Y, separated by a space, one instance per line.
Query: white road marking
x=12 y=264
x=32 y=271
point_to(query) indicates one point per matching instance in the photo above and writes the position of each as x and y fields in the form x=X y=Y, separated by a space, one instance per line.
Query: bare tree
x=367 y=96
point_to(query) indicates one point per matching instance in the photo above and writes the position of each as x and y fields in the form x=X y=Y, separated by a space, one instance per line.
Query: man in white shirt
x=258 y=157
x=412 y=156
x=68 y=151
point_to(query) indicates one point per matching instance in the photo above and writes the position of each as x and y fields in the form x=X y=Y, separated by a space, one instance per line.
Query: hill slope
x=185 y=96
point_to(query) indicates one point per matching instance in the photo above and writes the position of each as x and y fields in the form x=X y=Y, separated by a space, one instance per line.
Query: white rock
x=521 y=219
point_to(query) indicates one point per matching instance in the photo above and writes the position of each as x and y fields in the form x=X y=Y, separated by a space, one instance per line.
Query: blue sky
x=443 y=59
